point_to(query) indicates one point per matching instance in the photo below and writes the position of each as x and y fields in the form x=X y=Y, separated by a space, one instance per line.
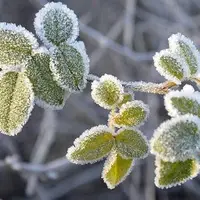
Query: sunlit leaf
x=116 y=169
x=16 y=102
x=92 y=145
x=131 y=143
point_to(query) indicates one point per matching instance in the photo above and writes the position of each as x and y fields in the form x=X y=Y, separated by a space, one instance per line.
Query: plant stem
x=141 y=86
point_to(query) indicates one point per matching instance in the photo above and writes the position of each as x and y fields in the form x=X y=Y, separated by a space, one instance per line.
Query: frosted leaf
x=116 y=169
x=172 y=174
x=177 y=139
x=48 y=93
x=171 y=66
x=186 y=101
x=185 y=48
x=56 y=23
x=107 y=92
x=126 y=98
x=16 y=102
x=70 y=66
x=92 y=146
x=131 y=143
x=132 y=113
x=16 y=46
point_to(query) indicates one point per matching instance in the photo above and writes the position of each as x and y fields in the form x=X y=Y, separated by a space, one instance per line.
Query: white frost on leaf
x=174 y=44
x=188 y=92
x=56 y=23
x=180 y=62
x=177 y=139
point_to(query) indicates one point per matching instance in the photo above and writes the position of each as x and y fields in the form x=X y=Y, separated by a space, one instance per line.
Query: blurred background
x=121 y=36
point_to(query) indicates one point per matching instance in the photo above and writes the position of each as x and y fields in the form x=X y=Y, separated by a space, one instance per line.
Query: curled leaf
x=92 y=145
x=55 y=23
x=170 y=174
x=16 y=102
x=70 y=65
x=186 y=101
x=131 y=143
x=132 y=113
x=171 y=66
x=48 y=93
x=116 y=169
x=107 y=92
x=16 y=44
x=185 y=48
x=177 y=139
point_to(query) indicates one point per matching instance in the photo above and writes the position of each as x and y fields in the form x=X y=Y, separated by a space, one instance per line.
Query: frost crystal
x=55 y=23
x=70 y=66
x=184 y=47
x=107 y=92
x=171 y=66
x=16 y=44
x=186 y=101
x=92 y=146
x=177 y=139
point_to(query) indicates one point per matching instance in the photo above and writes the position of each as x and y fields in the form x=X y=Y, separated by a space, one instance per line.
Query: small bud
x=126 y=98
x=132 y=113
x=107 y=92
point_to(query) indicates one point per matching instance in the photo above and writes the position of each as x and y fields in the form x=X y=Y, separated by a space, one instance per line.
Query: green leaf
x=92 y=145
x=48 y=93
x=171 y=174
x=56 y=23
x=177 y=139
x=126 y=98
x=16 y=102
x=116 y=169
x=132 y=113
x=169 y=65
x=186 y=101
x=107 y=92
x=70 y=65
x=131 y=143
x=16 y=45
x=186 y=49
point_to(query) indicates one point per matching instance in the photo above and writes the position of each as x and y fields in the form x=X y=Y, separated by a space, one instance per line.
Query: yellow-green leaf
x=132 y=113
x=92 y=145
x=48 y=93
x=16 y=45
x=170 y=174
x=131 y=143
x=116 y=169
x=16 y=102
x=126 y=98
x=107 y=92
